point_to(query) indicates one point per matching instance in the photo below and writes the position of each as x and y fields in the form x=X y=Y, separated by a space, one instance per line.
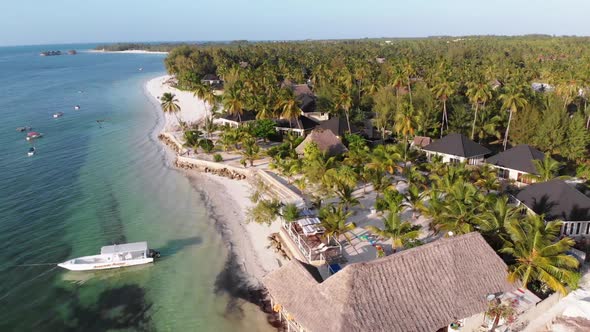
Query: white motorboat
x=113 y=257
x=31 y=152
x=77 y=107
x=58 y=115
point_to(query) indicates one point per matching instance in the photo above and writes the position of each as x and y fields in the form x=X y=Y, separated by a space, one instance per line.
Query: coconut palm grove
x=435 y=138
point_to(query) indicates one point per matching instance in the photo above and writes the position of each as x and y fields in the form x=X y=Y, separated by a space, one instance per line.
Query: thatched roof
x=421 y=141
x=420 y=289
x=457 y=145
x=326 y=141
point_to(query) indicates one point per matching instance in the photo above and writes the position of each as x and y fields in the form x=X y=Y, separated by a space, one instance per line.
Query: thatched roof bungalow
x=421 y=289
x=326 y=141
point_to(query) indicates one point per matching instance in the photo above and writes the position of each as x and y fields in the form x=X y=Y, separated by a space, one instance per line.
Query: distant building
x=420 y=142
x=300 y=126
x=211 y=79
x=516 y=164
x=448 y=281
x=326 y=142
x=457 y=148
x=542 y=87
x=234 y=120
x=557 y=200
x=307 y=100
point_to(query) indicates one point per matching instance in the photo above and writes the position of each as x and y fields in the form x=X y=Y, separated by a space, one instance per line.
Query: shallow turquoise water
x=93 y=184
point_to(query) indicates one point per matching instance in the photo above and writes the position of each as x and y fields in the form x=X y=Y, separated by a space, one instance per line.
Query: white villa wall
x=569 y=228
x=512 y=174
x=318 y=116
x=446 y=158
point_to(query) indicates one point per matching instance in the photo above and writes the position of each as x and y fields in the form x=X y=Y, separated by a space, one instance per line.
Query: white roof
x=137 y=246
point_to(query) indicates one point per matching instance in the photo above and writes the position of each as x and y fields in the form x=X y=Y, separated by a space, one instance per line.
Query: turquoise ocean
x=101 y=177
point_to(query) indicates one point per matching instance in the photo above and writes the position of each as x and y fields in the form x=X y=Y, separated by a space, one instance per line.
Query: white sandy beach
x=192 y=109
x=228 y=198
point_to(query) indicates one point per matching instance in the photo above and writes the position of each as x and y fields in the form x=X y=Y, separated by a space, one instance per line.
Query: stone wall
x=213 y=168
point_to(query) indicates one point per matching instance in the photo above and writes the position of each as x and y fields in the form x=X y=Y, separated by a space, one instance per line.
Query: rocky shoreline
x=223 y=172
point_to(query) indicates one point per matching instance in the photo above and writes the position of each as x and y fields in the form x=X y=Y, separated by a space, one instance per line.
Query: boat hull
x=69 y=265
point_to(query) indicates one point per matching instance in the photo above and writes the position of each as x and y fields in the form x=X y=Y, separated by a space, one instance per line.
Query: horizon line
x=296 y=40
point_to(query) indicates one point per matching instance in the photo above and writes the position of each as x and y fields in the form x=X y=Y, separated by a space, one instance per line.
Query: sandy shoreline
x=227 y=199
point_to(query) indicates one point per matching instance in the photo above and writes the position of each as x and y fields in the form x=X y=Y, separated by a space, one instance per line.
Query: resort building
x=234 y=120
x=516 y=164
x=307 y=101
x=457 y=148
x=211 y=79
x=419 y=142
x=449 y=282
x=326 y=142
x=300 y=126
x=558 y=200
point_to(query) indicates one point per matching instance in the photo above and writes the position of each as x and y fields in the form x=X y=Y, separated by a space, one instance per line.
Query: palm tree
x=495 y=218
x=413 y=199
x=463 y=204
x=400 y=232
x=342 y=182
x=487 y=178
x=443 y=89
x=250 y=150
x=478 y=93
x=547 y=169
x=334 y=219
x=233 y=101
x=170 y=105
x=205 y=93
x=289 y=106
x=538 y=256
x=391 y=201
x=405 y=121
x=344 y=102
x=384 y=158
x=512 y=99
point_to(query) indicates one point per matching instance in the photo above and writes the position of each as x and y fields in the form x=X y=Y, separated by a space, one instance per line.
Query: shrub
x=207 y=145
x=290 y=212
x=218 y=158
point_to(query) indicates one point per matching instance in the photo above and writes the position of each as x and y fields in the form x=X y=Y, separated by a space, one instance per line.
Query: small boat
x=58 y=115
x=33 y=134
x=31 y=152
x=113 y=257
x=140 y=68
x=22 y=129
x=77 y=107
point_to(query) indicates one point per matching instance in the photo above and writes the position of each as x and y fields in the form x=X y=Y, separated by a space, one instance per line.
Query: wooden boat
x=33 y=135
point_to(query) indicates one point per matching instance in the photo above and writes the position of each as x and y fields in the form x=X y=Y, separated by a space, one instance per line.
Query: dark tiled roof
x=457 y=145
x=210 y=77
x=519 y=158
x=303 y=122
x=245 y=117
x=338 y=126
x=303 y=94
x=420 y=289
x=556 y=200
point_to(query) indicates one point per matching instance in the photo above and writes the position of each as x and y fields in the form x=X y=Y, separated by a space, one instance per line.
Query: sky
x=27 y=22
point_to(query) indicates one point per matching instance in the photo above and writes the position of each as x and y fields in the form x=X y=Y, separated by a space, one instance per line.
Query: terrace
x=307 y=236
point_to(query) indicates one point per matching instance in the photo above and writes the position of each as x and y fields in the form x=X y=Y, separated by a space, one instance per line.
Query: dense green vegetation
x=479 y=86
